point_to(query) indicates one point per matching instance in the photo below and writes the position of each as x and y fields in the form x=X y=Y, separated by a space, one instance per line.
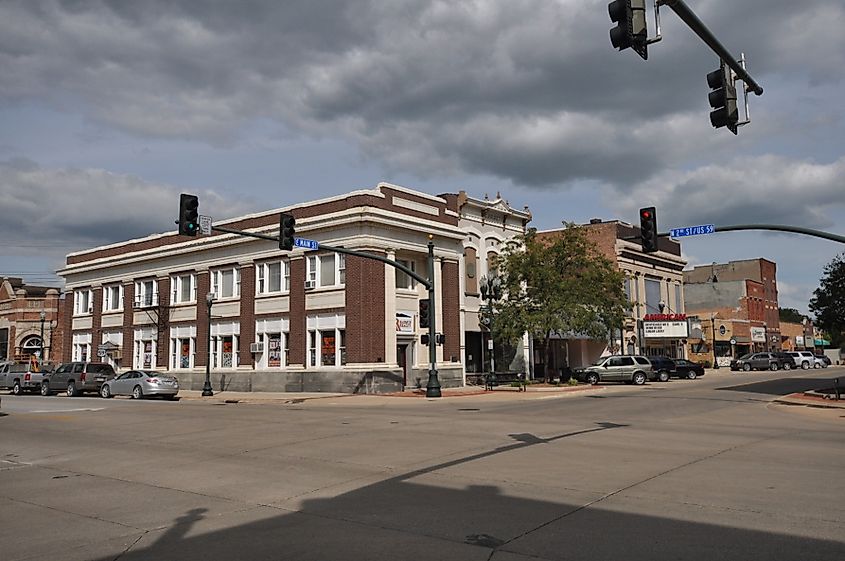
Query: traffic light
x=424 y=313
x=286 y=231
x=723 y=98
x=631 y=29
x=648 y=229
x=188 y=215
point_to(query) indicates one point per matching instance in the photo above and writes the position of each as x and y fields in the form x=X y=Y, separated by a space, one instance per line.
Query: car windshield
x=154 y=374
x=599 y=362
x=745 y=357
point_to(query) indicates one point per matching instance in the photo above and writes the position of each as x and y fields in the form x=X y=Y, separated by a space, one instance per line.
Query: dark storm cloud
x=527 y=90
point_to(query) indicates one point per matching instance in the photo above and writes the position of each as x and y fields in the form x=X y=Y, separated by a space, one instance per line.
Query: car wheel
x=824 y=365
x=137 y=392
x=805 y=365
x=105 y=391
x=773 y=366
x=663 y=376
x=691 y=375
x=592 y=379
x=45 y=389
x=170 y=396
x=71 y=389
x=746 y=367
x=638 y=379
x=816 y=365
x=16 y=388
x=787 y=366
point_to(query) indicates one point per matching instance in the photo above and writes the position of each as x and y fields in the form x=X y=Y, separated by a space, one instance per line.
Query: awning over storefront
x=822 y=343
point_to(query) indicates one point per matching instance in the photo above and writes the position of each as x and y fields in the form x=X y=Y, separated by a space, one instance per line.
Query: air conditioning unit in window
x=256 y=348
x=310 y=284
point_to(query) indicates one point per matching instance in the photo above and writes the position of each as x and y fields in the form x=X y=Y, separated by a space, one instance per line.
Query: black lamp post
x=491 y=291
x=206 y=387
x=43 y=316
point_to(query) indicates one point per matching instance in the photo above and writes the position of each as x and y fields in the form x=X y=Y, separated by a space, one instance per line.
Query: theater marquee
x=666 y=326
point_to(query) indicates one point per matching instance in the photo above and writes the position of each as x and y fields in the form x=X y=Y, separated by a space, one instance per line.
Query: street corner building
x=296 y=320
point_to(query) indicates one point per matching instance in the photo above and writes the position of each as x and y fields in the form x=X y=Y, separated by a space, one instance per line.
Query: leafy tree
x=790 y=315
x=828 y=301
x=558 y=285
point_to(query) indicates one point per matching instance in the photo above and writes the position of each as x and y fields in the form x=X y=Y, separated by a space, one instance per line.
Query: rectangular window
x=311 y=270
x=652 y=296
x=274 y=350
x=273 y=277
x=146 y=293
x=224 y=351
x=328 y=348
x=183 y=289
x=83 y=302
x=341 y=268
x=678 y=307
x=182 y=352
x=403 y=279
x=226 y=283
x=332 y=347
x=327 y=272
x=113 y=298
x=312 y=348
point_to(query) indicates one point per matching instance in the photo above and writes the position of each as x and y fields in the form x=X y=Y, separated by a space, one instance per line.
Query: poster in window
x=185 y=354
x=274 y=351
x=148 y=354
x=227 y=352
x=327 y=349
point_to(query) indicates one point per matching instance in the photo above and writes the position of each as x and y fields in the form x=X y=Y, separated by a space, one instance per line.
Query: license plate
x=101 y=379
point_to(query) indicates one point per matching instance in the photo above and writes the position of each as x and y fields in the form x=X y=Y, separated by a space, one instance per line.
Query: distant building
x=736 y=306
x=24 y=332
x=656 y=323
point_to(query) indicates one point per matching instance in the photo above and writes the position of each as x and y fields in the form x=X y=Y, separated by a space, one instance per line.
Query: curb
x=803 y=399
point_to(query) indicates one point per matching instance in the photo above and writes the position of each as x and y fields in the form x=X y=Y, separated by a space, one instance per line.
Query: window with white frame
x=326 y=340
x=81 y=350
x=83 y=302
x=145 y=349
x=224 y=344
x=112 y=298
x=146 y=293
x=403 y=279
x=272 y=277
x=326 y=270
x=183 y=288
x=226 y=283
x=183 y=341
x=272 y=335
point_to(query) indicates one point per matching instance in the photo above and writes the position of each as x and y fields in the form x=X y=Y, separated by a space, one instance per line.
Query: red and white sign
x=665 y=317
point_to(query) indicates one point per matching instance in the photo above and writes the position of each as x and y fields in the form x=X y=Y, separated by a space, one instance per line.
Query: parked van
x=77 y=377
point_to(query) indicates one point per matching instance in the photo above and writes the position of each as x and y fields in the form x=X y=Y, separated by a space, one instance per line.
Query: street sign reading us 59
x=692 y=230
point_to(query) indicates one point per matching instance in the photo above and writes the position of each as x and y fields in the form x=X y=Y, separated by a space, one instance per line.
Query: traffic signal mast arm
x=688 y=17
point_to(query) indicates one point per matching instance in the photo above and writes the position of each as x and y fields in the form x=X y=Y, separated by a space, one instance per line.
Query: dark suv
x=77 y=377
x=761 y=361
x=664 y=367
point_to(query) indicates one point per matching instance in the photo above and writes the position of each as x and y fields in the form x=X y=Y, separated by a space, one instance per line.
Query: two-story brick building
x=278 y=320
x=28 y=321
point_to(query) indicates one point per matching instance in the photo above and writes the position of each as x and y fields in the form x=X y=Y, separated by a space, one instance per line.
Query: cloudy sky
x=110 y=109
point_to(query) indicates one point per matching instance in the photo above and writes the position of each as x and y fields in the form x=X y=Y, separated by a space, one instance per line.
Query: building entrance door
x=402 y=359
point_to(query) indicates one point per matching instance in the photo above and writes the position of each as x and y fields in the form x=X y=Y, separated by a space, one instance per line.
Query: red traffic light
x=645 y=214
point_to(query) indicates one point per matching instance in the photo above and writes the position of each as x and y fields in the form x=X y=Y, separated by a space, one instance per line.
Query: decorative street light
x=206 y=387
x=43 y=316
x=491 y=291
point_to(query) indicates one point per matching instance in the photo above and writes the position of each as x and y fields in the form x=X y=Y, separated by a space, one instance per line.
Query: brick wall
x=451 y=311
x=96 y=323
x=296 y=332
x=247 y=319
x=66 y=319
x=365 y=320
x=201 y=346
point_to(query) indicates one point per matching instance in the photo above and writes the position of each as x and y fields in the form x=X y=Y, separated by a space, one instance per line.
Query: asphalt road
x=704 y=469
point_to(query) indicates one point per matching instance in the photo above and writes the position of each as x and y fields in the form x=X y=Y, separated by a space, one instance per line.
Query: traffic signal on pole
x=188 y=214
x=648 y=229
x=286 y=231
x=425 y=318
x=723 y=98
x=631 y=29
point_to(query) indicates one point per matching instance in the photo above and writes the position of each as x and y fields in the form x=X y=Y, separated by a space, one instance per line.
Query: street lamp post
x=491 y=291
x=713 y=330
x=43 y=316
x=206 y=387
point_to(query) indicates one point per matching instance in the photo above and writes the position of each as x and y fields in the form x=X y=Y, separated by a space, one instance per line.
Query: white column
x=438 y=301
x=390 y=311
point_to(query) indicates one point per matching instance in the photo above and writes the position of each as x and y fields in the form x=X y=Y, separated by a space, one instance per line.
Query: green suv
x=631 y=369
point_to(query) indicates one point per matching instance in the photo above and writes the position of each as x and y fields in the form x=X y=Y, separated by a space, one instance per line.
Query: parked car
x=805 y=359
x=627 y=368
x=76 y=378
x=759 y=361
x=825 y=359
x=12 y=374
x=786 y=362
x=687 y=369
x=140 y=383
x=663 y=366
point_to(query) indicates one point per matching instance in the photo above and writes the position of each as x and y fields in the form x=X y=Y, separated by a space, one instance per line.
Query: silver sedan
x=140 y=383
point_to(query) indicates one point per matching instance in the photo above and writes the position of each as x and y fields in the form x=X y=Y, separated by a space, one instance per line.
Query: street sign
x=692 y=230
x=101 y=353
x=205 y=225
x=306 y=244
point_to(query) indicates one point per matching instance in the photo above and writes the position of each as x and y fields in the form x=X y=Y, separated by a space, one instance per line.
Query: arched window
x=31 y=344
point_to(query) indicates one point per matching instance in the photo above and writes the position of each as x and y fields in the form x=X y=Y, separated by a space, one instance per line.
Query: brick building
x=29 y=321
x=737 y=305
x=656 y=324
x=283 y=321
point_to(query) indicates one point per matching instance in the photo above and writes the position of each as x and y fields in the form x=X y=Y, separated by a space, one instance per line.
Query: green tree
x=790 y=315
x=558 y=285
x=828 y=301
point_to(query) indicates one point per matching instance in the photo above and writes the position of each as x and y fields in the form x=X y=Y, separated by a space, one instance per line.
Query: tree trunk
x=548 y=352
